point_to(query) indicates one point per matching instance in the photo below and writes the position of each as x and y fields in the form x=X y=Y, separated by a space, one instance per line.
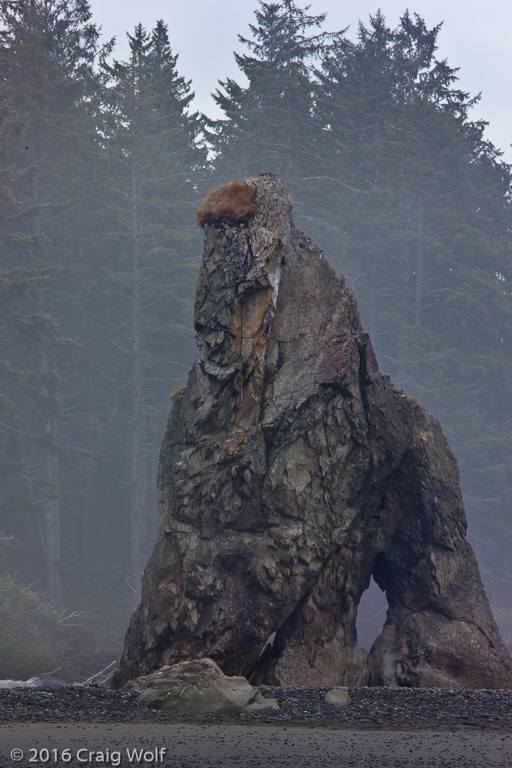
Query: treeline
x=102 y=163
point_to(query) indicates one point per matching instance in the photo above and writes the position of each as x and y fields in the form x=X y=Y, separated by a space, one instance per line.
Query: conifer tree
x=268 y=123
x=154 y=148
x=19 y=282
x=47 y=49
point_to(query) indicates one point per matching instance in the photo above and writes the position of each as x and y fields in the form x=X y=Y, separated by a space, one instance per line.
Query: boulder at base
x=199 y=687
x=338 y=697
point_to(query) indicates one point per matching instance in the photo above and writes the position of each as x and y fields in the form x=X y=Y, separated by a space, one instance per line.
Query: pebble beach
x=381 y=728
x=438 y=708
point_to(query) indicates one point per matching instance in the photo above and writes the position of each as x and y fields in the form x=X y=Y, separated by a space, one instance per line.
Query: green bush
x=27 y=629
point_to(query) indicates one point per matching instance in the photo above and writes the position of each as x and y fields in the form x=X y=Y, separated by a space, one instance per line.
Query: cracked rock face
x=290 y=472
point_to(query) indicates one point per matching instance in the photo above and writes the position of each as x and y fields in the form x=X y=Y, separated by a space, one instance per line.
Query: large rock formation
x=290 y=472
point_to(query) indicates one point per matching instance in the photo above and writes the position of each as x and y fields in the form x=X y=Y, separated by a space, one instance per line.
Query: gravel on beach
x=376 y=708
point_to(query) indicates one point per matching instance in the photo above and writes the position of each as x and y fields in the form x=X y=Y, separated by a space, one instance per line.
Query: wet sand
x=176 y=745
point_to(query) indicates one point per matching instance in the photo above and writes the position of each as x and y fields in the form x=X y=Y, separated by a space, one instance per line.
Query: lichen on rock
x=290 y=473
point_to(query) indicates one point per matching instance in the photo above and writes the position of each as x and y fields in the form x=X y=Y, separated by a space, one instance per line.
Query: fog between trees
x=102 y=166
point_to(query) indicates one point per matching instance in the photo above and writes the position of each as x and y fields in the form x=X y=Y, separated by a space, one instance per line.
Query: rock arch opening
x=371 y=615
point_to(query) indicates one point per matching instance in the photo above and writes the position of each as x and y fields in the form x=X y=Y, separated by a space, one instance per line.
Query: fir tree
x=47 y=51
x=154 y=148
x=268 y=123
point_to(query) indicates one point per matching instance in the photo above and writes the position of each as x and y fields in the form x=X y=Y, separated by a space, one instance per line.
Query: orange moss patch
x=179 y=392
x=235 y=200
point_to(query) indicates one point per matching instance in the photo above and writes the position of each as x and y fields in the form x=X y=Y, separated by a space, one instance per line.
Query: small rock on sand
x=338 y=697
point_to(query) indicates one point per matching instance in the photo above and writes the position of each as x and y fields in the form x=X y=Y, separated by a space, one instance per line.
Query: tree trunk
x=137 y=444
x=85 y=522
x=50 y=498
x=403 y=316
x=419 y=269
x=49 y=461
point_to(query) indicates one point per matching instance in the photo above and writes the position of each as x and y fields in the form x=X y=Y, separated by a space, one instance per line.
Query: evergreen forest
x=102 y=165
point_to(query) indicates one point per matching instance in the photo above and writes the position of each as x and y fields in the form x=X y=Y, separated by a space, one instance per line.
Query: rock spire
x=291 y=472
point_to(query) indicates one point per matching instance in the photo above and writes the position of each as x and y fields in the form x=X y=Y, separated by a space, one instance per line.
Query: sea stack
x=291 y=472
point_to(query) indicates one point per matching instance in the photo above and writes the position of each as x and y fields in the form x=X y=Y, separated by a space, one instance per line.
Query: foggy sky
x=475 y=37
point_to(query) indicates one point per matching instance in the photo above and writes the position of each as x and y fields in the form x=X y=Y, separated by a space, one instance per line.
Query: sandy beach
x=240 y=746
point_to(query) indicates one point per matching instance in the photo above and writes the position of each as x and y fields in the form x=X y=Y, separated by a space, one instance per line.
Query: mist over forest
x=102 y=166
